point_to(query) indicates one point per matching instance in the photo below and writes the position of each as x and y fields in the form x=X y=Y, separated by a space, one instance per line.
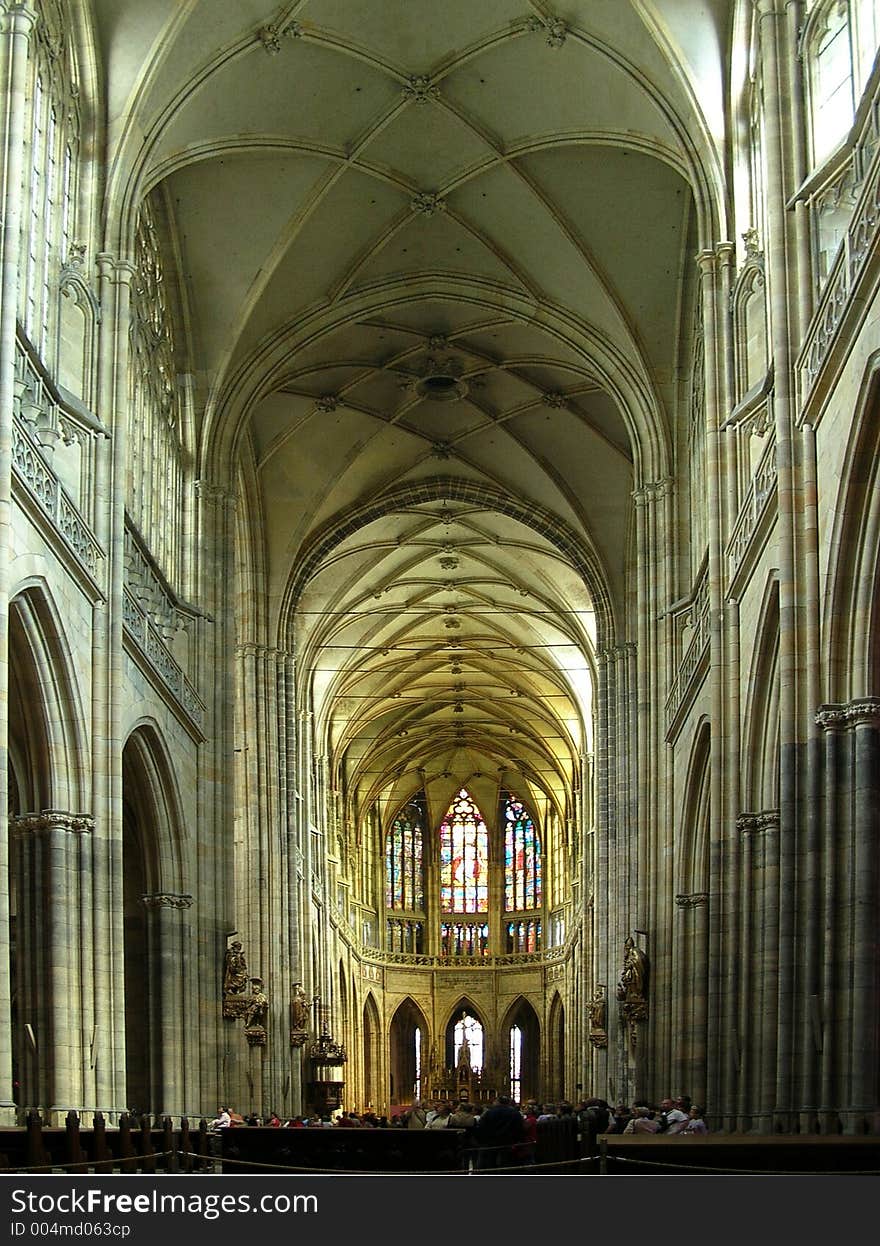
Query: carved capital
x=52 y=820
x=864 y=712
x=693 y=901
x=653 y=491
x=167 y=900
x=214 y=495
x=757 y=823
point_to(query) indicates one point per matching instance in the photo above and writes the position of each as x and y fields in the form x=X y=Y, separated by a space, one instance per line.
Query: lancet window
x=522 y=859
x=404 y=885
x=464 y=858
x=50 y=177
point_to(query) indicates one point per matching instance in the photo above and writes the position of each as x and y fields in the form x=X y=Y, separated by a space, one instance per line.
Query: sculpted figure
x=257 y=1006
x=299 y=1008
x=235 y=974
x=633 y=979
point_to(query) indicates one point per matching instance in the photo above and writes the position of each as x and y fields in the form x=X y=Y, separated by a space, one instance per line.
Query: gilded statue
x=255 y=1012
x=235 y=973
x=299 y=1015
x=632 y=988
x=597 y=1009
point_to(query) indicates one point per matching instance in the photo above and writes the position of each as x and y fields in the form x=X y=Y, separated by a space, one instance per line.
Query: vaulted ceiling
x=433 y=256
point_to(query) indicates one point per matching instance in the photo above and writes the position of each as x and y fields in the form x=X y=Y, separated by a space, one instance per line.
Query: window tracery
x=522 y=859
x=464 y=858
x=50 y=180
x=155 y=461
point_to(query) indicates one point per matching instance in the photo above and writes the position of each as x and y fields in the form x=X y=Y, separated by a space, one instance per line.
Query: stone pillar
x=848 y=1019
x=49 y=954
x=171 y=1010
x=691 y=1071
x=757 y=1020
x=214 y=852
x=17 y=19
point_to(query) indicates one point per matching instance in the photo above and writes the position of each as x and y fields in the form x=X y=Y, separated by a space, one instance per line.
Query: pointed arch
x=851 y=610
x=692 y=862
x=760 y=789
x=47 y=727
x=465 y=1020
x=370 y=1034
x=520 y=1041
x=151 y=801
x=556 y=1053
x=409 y=1043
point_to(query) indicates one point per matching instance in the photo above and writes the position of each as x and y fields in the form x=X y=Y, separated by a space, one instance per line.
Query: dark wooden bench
x=262 y=1149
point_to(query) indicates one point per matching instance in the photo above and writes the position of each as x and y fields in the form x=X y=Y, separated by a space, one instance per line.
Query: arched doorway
x=521 y=1041
x=155 y=943
x=409 y=1054
x=556 y=1049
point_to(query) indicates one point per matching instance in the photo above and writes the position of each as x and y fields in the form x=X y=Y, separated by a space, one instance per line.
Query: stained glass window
x=522 y=859
x=464 y=858
x=403 y=861
x=464 y=938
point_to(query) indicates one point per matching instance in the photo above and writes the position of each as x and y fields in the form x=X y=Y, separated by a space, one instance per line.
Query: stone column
x=849 y=1010
x=691 y=1073
x=17 y=19
x=171 y=1012
x=214 y=853
x=49 y=953
x=108 y=954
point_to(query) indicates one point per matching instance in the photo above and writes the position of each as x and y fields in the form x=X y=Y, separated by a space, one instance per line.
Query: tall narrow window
x=831 y=78
x=464 y=858
x=515 y=1063
x=417 y=1084
x=522 y=859
x=403 y=861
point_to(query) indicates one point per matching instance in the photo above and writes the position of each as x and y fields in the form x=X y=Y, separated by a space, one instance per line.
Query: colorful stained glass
x=403 y=861
x=468 y=1030
x=464 y=858
x=522 y=858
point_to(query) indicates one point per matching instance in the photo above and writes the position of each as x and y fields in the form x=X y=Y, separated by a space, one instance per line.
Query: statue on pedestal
x=235 y=980
x=597 y=1008
x=256 y=1008
x=299 y=1016
x=631 y=991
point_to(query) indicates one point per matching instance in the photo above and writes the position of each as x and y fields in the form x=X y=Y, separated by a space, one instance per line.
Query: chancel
x=440 y=557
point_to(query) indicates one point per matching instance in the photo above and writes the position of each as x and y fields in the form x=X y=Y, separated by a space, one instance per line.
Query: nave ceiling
x=434 y=261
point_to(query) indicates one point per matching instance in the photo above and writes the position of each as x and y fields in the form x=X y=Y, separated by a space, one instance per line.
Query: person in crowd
x=671 y=1118
x=463 y=1117
x=642 y=1121
x=417 y=1117
x=222 y=1120
x=547 y=1113
x=524 y=1152
x=440 y=1120
x=695 y=1124
x=499 y=1128
x=619 y=1119
x=273 y=1120
x=593 y=1117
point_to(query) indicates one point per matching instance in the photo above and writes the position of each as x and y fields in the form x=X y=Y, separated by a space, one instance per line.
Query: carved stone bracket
x=298 y=1038
x=632 y=1012
x=864 y=712
x=255 y=1035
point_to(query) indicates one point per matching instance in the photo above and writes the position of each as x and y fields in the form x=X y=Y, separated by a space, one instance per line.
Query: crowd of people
x=503 y=1125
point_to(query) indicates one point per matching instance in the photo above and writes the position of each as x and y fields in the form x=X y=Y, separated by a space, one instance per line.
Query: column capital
x=695 y=900
x=654 y=490
x=864 y=712
x=18 y=17
x=167 y=900
x=215 y=495
x=114 y=269
x=52 y=820
x=757 y=823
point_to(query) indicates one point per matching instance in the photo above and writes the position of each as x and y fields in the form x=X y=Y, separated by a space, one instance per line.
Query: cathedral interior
x=440 y=555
